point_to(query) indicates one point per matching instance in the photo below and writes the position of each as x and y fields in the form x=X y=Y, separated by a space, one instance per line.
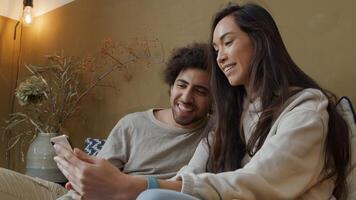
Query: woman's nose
x=221 y=57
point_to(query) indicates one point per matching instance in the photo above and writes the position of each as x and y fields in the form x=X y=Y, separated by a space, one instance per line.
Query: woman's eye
x=228 y=43
x=201 y=92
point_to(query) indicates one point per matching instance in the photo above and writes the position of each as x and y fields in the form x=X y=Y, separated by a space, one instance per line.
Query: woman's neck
x=250 y=94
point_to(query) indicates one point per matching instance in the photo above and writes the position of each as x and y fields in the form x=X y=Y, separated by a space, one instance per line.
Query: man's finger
x=63 y=166
x=68 y=186
x=68 y=155
x=69 y=172
x=75 y=195
x=84 y=157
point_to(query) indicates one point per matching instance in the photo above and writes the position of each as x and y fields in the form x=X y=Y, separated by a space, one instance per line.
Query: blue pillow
x=92 y=146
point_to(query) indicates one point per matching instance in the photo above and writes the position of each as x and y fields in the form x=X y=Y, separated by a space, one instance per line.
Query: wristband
x=152 y=183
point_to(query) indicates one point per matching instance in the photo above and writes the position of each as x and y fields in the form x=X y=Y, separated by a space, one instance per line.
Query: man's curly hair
x=194 y=56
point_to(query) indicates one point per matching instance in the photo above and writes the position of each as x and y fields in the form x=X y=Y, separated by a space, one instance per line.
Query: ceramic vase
x=39 y=159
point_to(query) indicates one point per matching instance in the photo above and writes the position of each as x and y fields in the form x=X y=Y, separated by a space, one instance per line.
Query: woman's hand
x=96 y=178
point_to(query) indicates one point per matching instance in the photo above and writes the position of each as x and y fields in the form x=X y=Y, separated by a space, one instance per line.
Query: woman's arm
x=197 y=163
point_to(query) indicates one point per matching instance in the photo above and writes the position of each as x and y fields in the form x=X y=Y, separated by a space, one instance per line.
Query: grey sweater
x=141 y=145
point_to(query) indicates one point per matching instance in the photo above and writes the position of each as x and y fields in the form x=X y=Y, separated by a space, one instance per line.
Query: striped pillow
x=92 y=146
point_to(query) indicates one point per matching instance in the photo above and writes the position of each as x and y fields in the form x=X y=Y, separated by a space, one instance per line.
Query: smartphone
x=63 y=140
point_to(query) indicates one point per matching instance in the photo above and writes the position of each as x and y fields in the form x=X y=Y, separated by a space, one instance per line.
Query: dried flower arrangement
x=52 y=93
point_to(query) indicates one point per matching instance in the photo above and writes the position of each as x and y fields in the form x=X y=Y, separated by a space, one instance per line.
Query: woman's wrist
x=170 y=185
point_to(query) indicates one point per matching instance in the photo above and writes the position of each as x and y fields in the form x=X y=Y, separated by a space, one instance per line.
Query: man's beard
x=185 y=121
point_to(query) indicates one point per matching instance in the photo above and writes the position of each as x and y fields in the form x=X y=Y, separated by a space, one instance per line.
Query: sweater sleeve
x=289 y=162
x=115 y=149
x=197 y=163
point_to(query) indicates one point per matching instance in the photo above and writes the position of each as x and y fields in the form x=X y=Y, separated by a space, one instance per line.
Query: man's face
x=190 y=97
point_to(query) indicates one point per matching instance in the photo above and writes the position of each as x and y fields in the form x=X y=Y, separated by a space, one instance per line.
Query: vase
x=40 y=162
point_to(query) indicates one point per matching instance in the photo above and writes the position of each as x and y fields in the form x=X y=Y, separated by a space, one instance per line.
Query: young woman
x=276 y=132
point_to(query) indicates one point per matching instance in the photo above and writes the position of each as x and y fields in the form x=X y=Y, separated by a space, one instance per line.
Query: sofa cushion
x=345 y=108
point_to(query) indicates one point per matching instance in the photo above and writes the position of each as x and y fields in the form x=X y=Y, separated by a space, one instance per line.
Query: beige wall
x=318 y=35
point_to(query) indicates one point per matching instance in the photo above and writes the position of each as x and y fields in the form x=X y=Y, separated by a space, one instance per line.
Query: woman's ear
x=210 y=112
x=211 y=109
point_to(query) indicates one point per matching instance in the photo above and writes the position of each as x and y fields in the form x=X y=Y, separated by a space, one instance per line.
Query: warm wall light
x=27 y=12
x=26 y=15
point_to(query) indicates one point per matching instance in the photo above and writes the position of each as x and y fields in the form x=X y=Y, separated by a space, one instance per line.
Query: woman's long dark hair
x=272 y=75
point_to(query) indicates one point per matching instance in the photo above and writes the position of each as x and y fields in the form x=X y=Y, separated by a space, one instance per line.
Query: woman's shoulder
x=308 y=99
x=305 y=106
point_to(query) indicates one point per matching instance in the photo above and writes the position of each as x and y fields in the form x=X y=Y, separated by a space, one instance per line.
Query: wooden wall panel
x=9 y=51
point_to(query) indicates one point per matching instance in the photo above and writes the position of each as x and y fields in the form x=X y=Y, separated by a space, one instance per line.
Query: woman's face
x=234 y=50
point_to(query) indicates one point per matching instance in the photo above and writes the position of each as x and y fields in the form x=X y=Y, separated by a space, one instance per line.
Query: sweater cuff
x=187 y=184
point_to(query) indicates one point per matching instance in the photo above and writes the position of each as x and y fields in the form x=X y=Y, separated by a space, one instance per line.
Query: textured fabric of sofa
x=345 y=108
x=92 y=146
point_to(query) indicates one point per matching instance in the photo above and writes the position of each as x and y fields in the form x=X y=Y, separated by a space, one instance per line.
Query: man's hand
x=95 y=178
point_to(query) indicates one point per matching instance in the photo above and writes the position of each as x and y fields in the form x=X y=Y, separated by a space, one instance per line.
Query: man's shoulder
x=132 y=121
x=135 y=116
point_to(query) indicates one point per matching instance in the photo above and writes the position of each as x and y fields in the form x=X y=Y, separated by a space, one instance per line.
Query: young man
x=157 y=142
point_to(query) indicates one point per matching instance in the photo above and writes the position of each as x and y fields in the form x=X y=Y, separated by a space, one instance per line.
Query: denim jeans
x=161 y=194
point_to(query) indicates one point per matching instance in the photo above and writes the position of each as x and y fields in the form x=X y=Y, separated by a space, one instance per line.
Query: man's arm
x=115 y=147
x=96 y=178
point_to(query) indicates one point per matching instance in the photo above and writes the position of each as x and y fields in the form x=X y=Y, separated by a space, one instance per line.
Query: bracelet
x=152 y=183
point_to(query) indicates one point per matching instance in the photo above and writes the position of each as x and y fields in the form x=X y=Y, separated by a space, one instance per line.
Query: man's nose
x=187 y=96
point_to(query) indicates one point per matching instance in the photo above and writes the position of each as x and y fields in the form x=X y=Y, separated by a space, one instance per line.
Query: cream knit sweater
x=288 y=166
